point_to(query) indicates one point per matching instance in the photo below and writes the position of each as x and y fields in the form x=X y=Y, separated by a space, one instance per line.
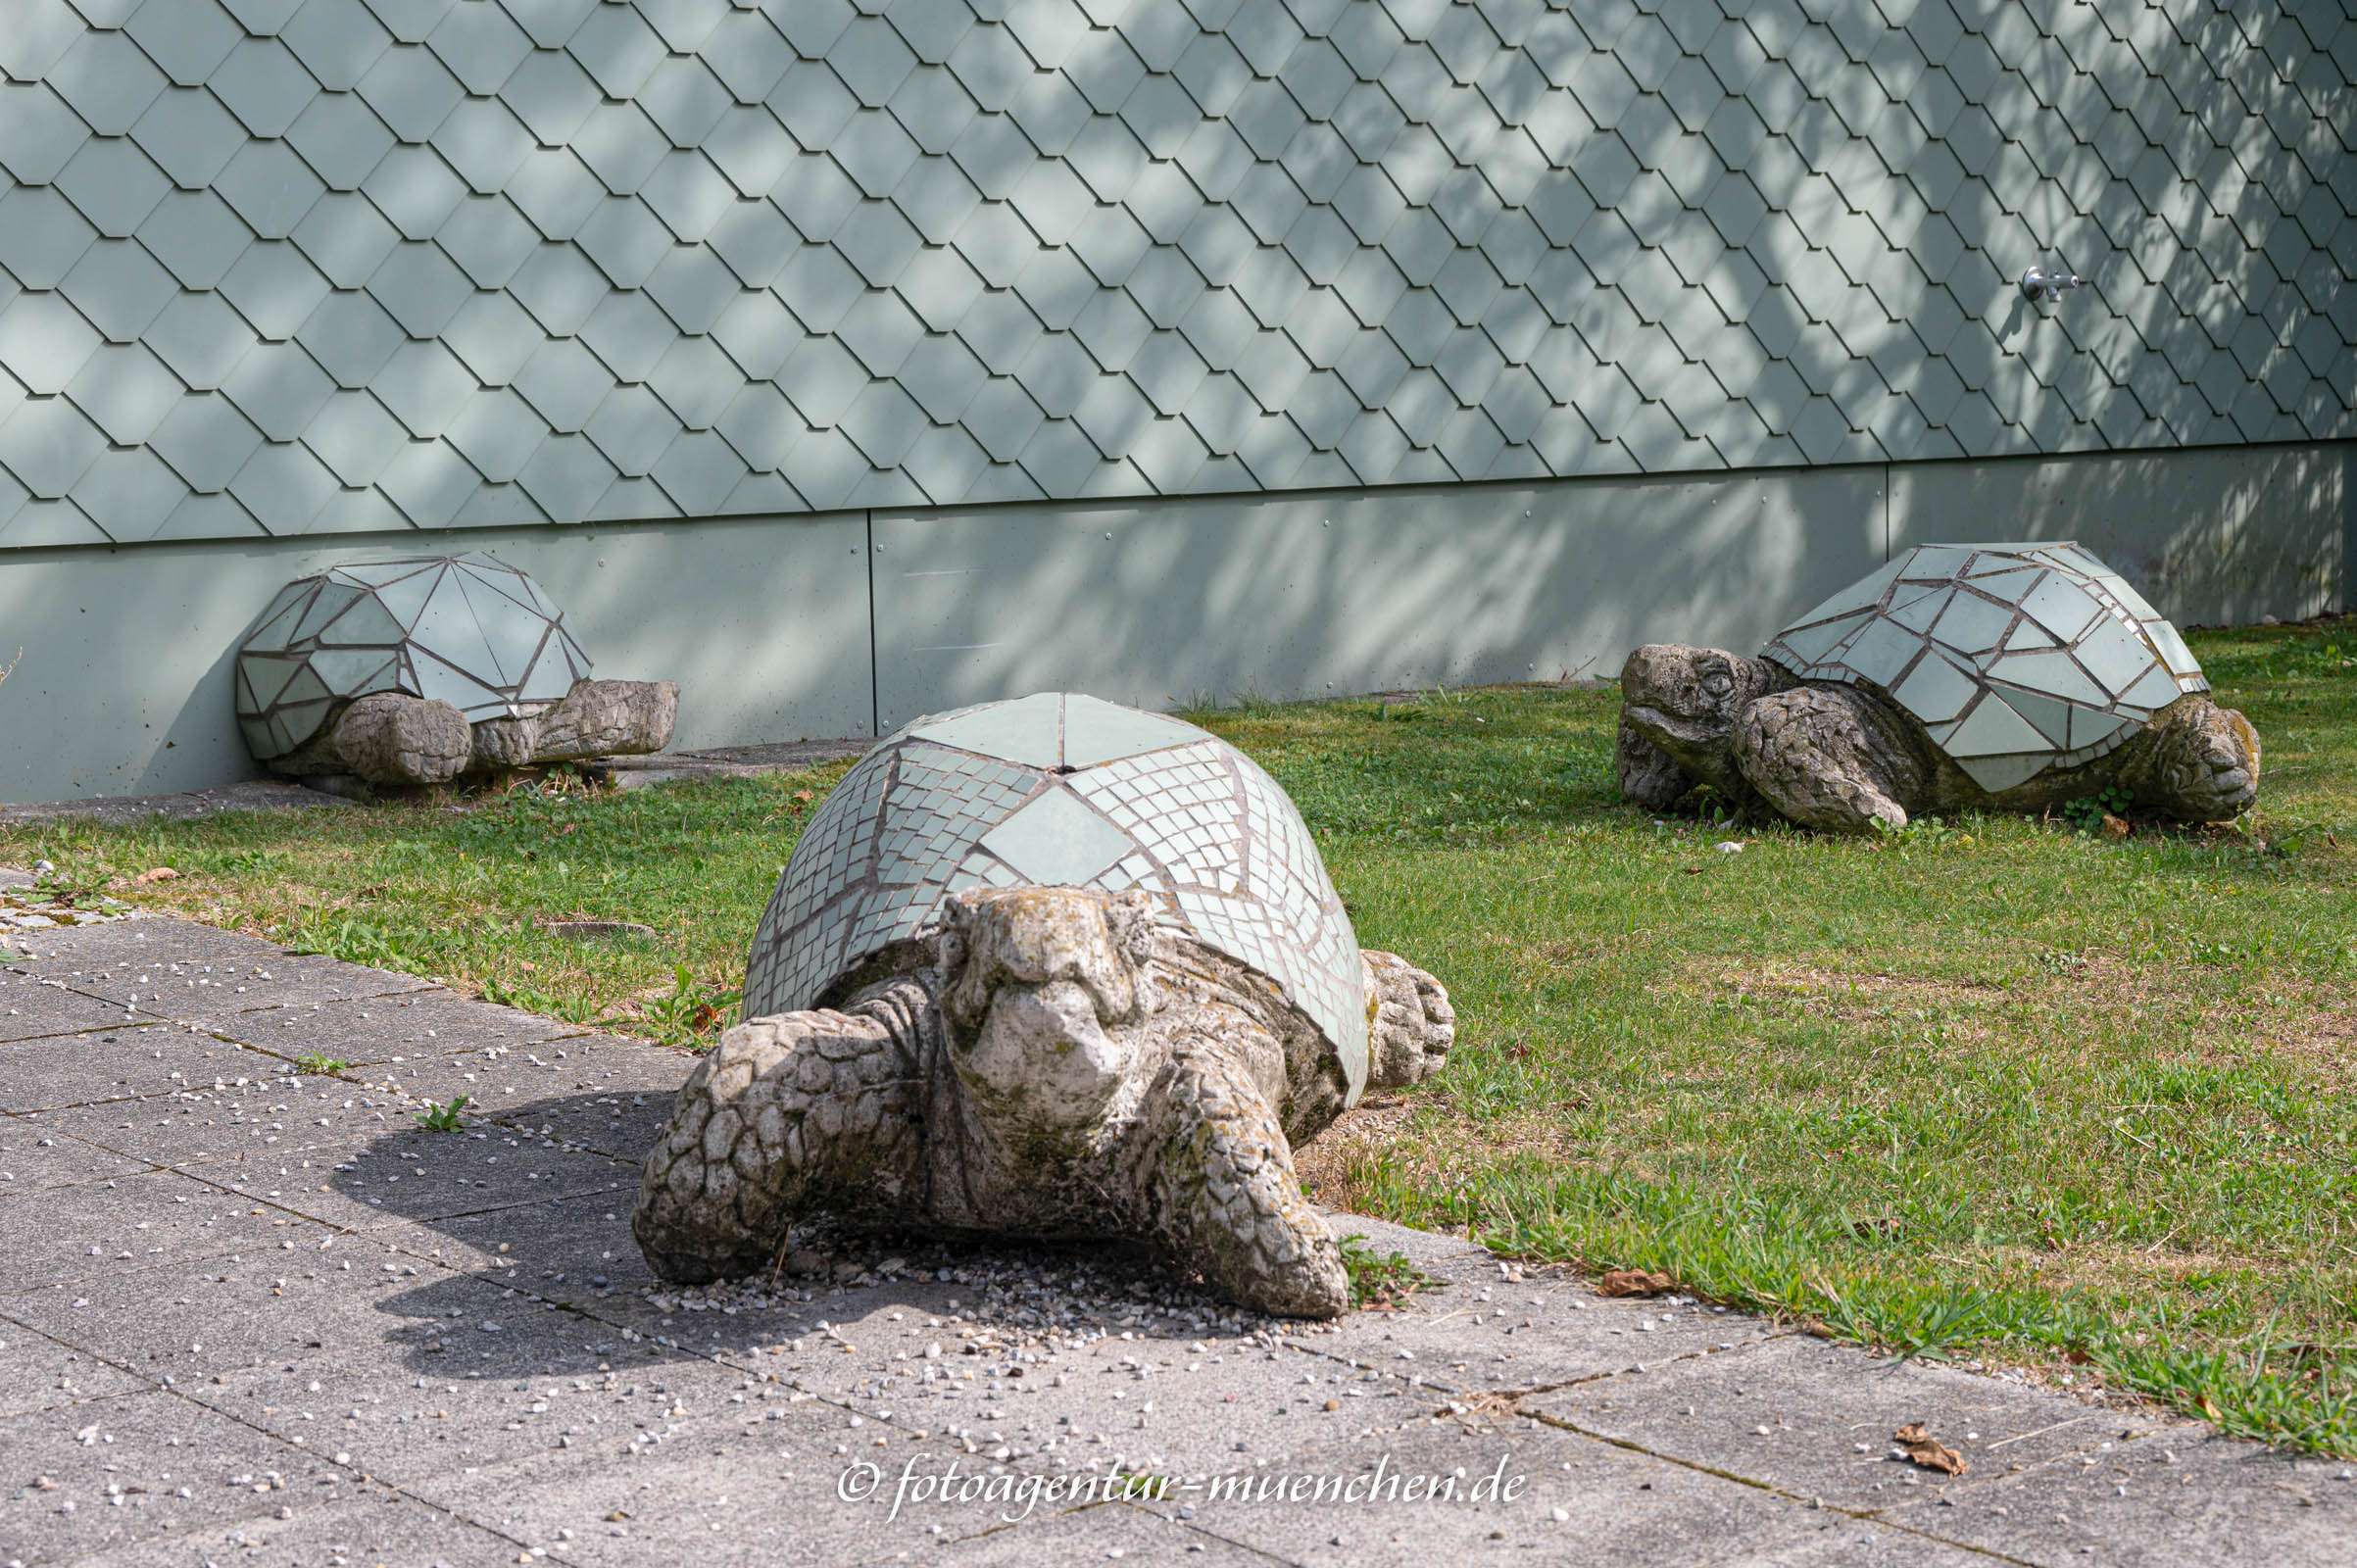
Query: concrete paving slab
x=421 y=1023
x=234 y=1312
x=1838 y=1541
x=559 y=1250
x=2162 y=1498
x=260 y=1000
x=319 y=1276
x=1093 y=1533
x=32 y=1008
x=1815 y=1420
x=247 y=795
x=35 y=1159
x=95 y=1235
x=636 y=1493
x=1482 y=1330
x=728 y=761
x=382 y=1528
x=255 y=1111
x=41 y=1373
x=97 y=1067
x=151 y=940
x=148 y=1449
x=579 y=1087
x=1572 y=1501
x=418 y=1177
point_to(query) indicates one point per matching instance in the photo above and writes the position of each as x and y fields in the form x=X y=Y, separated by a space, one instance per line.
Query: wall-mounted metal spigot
x=2039 y=284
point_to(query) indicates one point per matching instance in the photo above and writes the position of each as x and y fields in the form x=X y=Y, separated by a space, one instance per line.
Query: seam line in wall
x=876 y=706
x=1889 y=478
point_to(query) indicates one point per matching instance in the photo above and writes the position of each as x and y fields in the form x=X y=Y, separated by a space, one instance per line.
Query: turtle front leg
x=1413 y=1024
x=1221 y=1194
x=789 y=1114
x=2199 y=763
x=393 y=738
x=1827 y=757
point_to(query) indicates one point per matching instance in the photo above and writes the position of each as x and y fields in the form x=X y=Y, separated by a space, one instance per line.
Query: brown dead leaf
x=1928 y=1452
x=2116 y=827
x=1632 y=1281
x=161 y=873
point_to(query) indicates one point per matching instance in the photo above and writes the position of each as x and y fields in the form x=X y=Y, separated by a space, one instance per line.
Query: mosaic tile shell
x=1063 y=787
x=2016 y=658
x=466 y=629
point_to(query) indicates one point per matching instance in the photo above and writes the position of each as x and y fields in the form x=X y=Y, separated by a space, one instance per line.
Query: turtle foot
x=1225 y=1200
x=1414 y=1024
x=788 y=1114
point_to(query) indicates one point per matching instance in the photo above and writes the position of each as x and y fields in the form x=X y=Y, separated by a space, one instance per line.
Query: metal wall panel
x=2218 y=537
x=123 y=684
x=1304 y=596
x=356 y=263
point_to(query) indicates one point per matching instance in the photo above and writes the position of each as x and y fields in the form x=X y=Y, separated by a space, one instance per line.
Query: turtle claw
x=1224 y=1198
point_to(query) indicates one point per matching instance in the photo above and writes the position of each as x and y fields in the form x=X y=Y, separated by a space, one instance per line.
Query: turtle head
x=1039 y=985
x=1686 y=700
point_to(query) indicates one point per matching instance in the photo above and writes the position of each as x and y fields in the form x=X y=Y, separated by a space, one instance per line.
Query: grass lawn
x=1990 y=1088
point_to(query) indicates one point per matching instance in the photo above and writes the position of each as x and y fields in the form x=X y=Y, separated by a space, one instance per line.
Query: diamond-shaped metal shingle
x=1212 y=236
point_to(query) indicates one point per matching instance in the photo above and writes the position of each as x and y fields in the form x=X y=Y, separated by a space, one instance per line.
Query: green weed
x=1381 y=1281
x=436 y=1119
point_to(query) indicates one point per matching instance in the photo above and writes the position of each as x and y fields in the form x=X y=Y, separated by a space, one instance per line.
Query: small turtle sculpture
x=1050 y=968
x=2001 y=677
x=416 y=671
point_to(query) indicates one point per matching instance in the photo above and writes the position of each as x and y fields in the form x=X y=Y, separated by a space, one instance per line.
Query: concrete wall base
x=852 y=623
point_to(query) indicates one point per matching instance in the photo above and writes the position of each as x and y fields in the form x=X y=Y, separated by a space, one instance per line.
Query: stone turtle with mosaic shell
x=418 y=671
x=1047 y=968
x=2006 y=677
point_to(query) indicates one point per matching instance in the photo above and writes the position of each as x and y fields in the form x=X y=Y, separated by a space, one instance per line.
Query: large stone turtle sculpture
x=2005 y=677
x=1051 y=969
x=416 y=671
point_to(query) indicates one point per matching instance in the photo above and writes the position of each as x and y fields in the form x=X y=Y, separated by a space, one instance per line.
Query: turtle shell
x=466 y=629
x=2016 y=658
x=1060 y=788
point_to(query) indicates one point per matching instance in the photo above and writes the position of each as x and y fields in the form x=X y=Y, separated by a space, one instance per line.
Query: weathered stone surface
x=390 y=739
x=1842 y=758
x=596 y=719
x=2009 y=677
x=1065 y=1068
x=1413 y=1024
